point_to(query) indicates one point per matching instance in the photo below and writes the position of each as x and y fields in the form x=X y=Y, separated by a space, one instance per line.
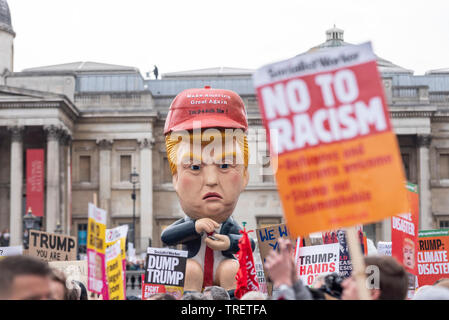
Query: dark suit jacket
x=183 y=232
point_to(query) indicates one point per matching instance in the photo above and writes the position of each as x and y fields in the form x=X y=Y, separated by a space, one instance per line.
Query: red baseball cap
x=206 y=108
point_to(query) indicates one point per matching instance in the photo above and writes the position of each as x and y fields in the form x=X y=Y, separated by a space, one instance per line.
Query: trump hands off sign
x=328 y=125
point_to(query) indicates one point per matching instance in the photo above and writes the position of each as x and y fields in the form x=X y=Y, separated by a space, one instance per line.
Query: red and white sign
x=404 y=233
x=35 y=181
x=313 y=261
x=148 y=289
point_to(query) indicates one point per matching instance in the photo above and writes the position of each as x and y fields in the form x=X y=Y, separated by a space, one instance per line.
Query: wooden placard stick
x=358 y=263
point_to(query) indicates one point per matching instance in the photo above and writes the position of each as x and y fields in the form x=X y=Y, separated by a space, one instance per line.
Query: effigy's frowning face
x=209 y=176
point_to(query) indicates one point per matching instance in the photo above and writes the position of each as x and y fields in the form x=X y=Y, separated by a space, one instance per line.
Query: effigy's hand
x=205 y=225
x=221 y=243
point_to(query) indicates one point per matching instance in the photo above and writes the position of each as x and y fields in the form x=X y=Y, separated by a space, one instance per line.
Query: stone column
x=16 y=186
x=425 y=201
x=53 y=200
x=65 y=141
x=385 y=230
x=146 y=192
x=104 y=197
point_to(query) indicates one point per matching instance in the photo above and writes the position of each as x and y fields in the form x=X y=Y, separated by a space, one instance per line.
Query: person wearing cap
x=207 y=149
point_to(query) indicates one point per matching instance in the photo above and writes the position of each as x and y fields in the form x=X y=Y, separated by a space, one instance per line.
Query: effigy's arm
x=180 y=232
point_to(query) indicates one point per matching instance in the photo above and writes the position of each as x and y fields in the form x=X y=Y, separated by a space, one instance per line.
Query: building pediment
x=15 y=98
x=14 y=93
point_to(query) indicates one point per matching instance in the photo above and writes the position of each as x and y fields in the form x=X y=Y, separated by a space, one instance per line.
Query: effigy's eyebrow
x=190 y=157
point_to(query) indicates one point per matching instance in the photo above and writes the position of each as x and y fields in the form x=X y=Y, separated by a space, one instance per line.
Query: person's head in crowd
x=389 y=283
x=77 y=291
x=432 y=293
x=24 y=278
x=443 y=282
x=216 y=293
x=194 y=295
x=58 y=287
x=161 y=296
x=254 y=295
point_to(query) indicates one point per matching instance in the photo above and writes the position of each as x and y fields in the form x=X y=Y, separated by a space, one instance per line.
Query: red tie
x=208 y=276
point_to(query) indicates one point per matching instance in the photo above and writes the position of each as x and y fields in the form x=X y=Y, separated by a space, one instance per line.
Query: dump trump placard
x=328 y=126
x=165 y=270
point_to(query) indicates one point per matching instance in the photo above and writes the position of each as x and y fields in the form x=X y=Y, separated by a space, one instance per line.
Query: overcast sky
x=178 y=35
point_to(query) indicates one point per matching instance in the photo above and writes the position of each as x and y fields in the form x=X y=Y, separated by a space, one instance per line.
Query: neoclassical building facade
x=98 y=122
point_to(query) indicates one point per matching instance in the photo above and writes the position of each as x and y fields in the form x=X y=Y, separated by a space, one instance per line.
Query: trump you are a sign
x=327 y=123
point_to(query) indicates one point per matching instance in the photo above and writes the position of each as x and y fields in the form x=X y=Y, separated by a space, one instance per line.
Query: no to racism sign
x=328 y=126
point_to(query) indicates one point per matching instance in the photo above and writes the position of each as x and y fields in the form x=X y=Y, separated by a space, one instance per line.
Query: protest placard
x=404 y=232
x=165 y=271
x=73 y=270
x=328 y=126
x=384 y=248
x=261 y=278
x=317 y=260
x=339 y=237
x=11 y=251
x=96 y=249
x=267 y=239
x=114 y=272
x=433 y=263
x=113 y=236
x=51 y=246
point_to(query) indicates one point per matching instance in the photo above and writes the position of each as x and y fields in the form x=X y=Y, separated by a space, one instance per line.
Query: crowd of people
x=28 y=278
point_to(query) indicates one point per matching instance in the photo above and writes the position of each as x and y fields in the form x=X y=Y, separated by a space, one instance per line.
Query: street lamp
x=30 y=221
x=134 y=179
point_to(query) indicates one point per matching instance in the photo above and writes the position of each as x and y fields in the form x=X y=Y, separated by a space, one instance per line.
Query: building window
x=82 y=238
x=166 y=173
x=444 y=166
x=84 y=169
x=267 y=171
x=264 y=222
x=444 y=224
x=406 y=163
x=125 y=167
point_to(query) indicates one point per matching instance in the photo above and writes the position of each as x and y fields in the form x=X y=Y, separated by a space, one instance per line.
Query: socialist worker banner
x=330 y=133
x=433 y=260
x=404 y=232
x=35 y=181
